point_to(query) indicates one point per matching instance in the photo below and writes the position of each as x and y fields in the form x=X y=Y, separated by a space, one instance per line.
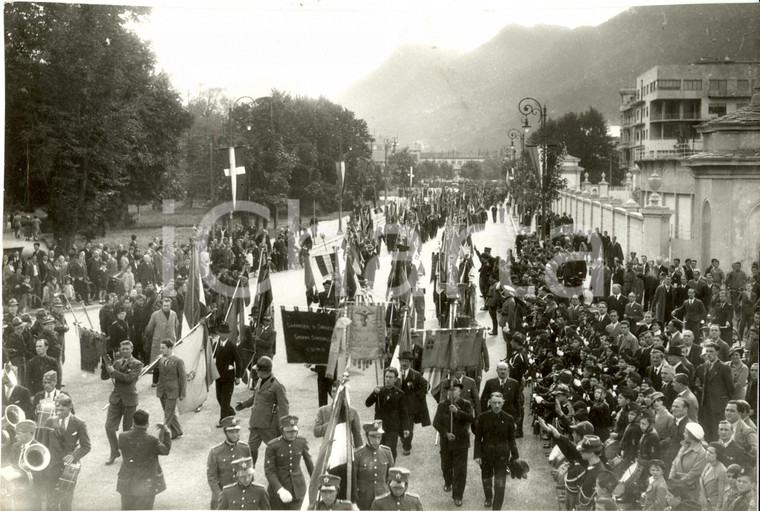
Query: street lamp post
x=530 y=106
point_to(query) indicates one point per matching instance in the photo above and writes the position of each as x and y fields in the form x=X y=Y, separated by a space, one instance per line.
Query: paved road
x=185 y=467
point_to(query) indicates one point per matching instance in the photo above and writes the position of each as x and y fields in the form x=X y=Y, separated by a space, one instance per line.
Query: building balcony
x=642 y=154
x=675 y=116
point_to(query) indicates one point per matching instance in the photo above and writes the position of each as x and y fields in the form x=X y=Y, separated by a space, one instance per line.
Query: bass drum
x=611 y=449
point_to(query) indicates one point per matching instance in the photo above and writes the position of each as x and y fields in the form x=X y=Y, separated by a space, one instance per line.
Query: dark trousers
x=406 y=442
x=390 y=439
x=137 y=502
x=494 y=323
x=170 y=415
x=493 y=471
x=454 y=466
x=59 y=500
x=255 y=439
x=118 y=413
x=224 y=391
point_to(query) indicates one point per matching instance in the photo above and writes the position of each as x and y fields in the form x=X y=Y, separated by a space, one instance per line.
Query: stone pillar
x=585 y=185
x=656 y=230
x=604 y=187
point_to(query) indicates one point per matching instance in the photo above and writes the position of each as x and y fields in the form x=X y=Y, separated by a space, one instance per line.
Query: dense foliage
x=90 y=125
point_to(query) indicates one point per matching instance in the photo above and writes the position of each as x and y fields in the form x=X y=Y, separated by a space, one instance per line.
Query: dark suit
x=266 y=343
x=510 y=390
x=20 y=397
x=123 y=399
x=653 y=374
x=230 y=366
x=140 y=476
x=717 y=389
x=634 y=313
x=617 y=304
x=692 y=315
x=495 y=446
x=75 y=441
x=172 y=384
x=454 y=452
x=672 y=444
x=695 y=354
x=36 y=369
x=390 y=407
x=664 y=302
x=415 y=388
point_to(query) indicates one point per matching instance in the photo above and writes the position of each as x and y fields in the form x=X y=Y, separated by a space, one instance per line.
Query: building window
x=692 y=85
x=742 y=86
x=719 y=87
x=716 y=109
x=669 y=84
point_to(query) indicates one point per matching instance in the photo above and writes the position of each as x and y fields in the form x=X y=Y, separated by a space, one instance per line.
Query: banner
x=366 y=334
x=451 y=348
x=194 y=352
x=307 y=335
x=92 y=346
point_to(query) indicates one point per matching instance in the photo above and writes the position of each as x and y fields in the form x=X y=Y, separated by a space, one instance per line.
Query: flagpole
x=232 y=301
x=152 y=364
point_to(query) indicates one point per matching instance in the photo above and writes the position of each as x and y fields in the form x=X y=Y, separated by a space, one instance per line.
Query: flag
x=398 y=281
x=336 y=452
x=263 y=292
x=195 y=299
x=233 y=168
x=235 y=318
x=337 y=356
x=311 y=285
x=195 y=351
x=366 y=336
x=340 y=167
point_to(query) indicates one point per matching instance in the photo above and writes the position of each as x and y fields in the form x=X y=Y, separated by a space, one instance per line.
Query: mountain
x=468 y=101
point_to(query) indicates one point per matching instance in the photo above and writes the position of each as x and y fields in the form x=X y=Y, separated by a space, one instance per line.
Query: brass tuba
x=36 y=458
x=12 y=416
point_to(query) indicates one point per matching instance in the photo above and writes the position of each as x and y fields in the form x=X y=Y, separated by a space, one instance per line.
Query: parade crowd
x=641 y=386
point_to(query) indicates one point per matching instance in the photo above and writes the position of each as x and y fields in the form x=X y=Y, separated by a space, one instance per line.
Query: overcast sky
x=320 y=47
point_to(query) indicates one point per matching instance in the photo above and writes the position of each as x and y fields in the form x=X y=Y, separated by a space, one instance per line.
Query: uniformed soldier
x=282 y=466
x=398 y=499
x=329 y=485
x=372 y=462
x=219 y=468
x=243 y=494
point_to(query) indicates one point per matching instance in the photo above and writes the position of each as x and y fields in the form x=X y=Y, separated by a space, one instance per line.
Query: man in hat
x=495 y=446
x=399 y=498
x=123 y=399
x=243 y=493
x=328 y=495
x=390 y=407
x=371 y=466
x=118 y=330
x=31 y=497
x=140 y=476
x=415 y=388
x=55 y=349
x=452 y=420
x=270 y=405
x=61 y=326
x=282 y=467
x=230 y=368
x=68 y=442
x=220 y=468
x=15 y=348
x=266 y=341
x=675 y=358
x=39 y=365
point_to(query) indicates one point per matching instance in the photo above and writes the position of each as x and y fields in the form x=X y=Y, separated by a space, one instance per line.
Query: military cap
x=26 y=426
x=406 y=355
x=264 y=363
x=329 y=482
x=223 y=328
x=47 y=320
x=230 y=422
x=398 y=475
x=487 y=249
x=50 y=376
x=289 y=421
x=41 y=313
x=243 y=466
x=373 y=427
x=12 y=301
x=17 y=322
x=590 y=443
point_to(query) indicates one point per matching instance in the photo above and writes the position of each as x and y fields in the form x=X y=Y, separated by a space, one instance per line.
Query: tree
x=471 y=170
x=398 y=167
x=584 y=136
x=90 y=125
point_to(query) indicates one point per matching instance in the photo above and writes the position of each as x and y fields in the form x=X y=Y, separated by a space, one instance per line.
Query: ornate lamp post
x=530 y=106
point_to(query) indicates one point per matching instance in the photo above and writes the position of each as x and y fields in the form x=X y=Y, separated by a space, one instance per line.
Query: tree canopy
x=90 y=124
x=584 y=136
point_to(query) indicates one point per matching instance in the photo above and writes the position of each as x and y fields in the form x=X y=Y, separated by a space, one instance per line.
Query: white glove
x=285 y=496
